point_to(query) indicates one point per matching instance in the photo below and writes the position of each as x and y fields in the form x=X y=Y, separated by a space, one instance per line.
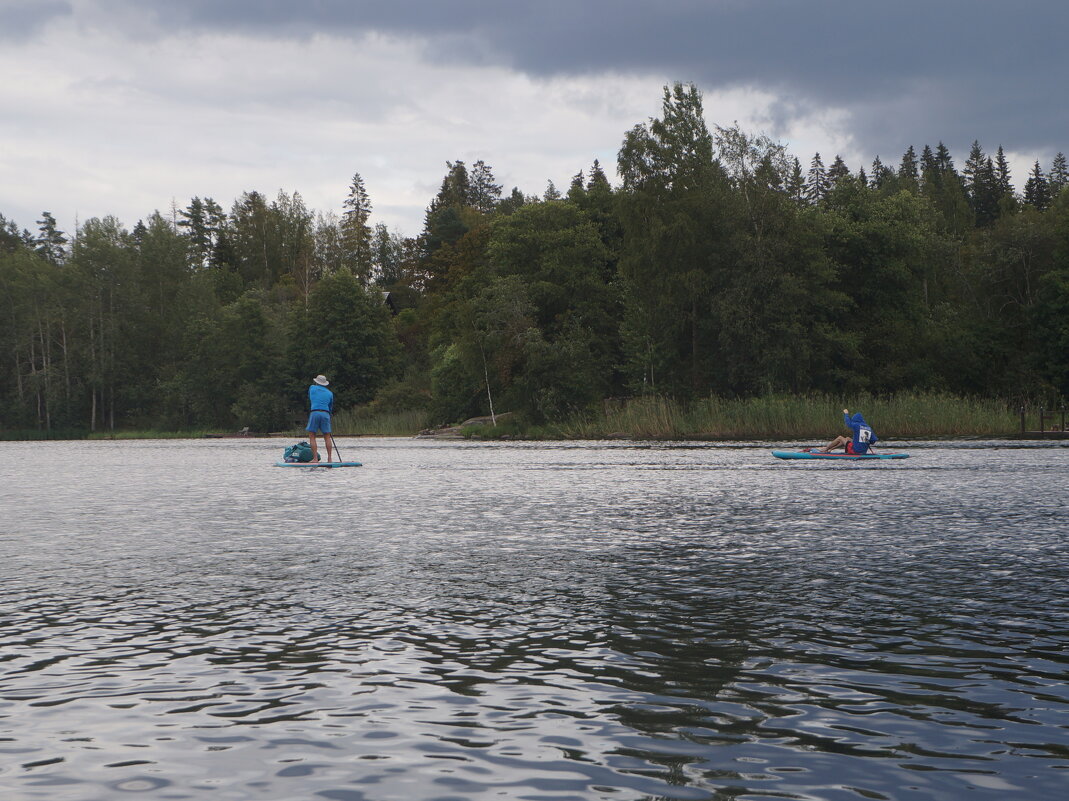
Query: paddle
x=334 y=442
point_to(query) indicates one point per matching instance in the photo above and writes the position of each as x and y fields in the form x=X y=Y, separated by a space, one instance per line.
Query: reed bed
x=814 y=417
x=385 y=424
x=805 y=417
x=147 y=434
x=35 y=434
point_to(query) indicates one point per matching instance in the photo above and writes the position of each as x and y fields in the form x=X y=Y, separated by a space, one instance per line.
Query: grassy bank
x=147 y=434
x=353 y=423
x=813 y=418
x=816 y=418
x=35 y=434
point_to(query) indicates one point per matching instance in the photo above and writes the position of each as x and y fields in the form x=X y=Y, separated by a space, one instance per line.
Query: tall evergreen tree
x=795 y=183
x=837 y=171
x=981 y=186
x=485 y=194
x=881 y=174
x=942 y=185
x=1058 y=178
x=1037 y=189
x=51 y=243
x=250 y=244
x=577 y=188
x=973 y=170
x=445 y=220
x=908 y=176
x=195 y=219
x=356 y=229
x=816 y=185
x=1004 y=183
x=674 y=212
x=929 y=167
x=943 y=158
x=456 y=187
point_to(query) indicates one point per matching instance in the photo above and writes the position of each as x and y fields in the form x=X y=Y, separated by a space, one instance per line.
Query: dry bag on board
x=301 y=452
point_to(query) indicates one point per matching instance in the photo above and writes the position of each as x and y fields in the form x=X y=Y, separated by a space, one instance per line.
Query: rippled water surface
x=182 y=620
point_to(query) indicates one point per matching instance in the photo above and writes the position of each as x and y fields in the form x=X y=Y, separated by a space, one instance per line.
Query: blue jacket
x=863 y=433
x=321 y=399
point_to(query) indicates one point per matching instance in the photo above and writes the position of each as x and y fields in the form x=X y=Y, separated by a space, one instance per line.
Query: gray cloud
x=20 y=19
x=181 y=97
x=907 y=73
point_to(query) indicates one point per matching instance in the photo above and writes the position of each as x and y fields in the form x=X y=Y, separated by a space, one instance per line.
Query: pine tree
x=577 y=188
x=484 y=194
x=456 y=187
x=194 y=219
x=943 y=158
x=816 y=185
x=974 y=167
x=1002 y=175
x=795 y=185
x=929 y=167
x=51 y=243
x=837 y=171
x=356 y=230
x=445 y=221
x=598 y=183
x=907 y=170
x=1036 y=189
x=881 y=174
x=514 y=201
x=981 y=186
x=139 y=233
x=1059 y=175
x=942 y=185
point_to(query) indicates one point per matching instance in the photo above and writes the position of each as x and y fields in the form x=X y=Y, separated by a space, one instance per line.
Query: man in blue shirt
x=858 y=444
x=321 y=401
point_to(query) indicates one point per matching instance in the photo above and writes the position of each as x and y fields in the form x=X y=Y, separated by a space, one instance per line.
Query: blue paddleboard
x=850 y=457
x=318 y=464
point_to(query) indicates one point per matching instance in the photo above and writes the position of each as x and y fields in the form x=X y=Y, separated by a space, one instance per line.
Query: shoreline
x=808 y=418
x=452 y=436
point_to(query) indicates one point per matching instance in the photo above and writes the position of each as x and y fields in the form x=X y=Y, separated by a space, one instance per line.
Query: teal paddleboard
x=318 y=464
x=849 y=457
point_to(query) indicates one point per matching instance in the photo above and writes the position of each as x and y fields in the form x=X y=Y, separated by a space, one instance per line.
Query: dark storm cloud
x=910 y=72
x=21 y=19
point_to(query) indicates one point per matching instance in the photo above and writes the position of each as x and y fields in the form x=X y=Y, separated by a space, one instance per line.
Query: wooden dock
x=1051 y=424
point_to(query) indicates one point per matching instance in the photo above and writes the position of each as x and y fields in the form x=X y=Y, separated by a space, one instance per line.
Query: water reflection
x=531 y=621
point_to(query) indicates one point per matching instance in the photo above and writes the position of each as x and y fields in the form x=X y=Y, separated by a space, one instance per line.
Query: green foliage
x=455 y=386
x=346 y=334
x=718 y=269
x=1051 y=316
x=817 y=418
x=675 y=214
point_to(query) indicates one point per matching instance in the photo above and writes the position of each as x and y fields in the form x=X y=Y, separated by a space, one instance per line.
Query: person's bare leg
x=315 y=450
x=838 y=442
x=328 y=439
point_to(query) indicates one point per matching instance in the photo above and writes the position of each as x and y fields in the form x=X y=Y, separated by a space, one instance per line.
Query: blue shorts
x=318 y=423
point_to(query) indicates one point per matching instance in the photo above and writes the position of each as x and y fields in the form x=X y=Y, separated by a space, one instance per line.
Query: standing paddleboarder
x=321 y=402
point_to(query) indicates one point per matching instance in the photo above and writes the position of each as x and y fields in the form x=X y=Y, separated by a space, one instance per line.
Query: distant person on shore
x=862 y=436
x=321 y=402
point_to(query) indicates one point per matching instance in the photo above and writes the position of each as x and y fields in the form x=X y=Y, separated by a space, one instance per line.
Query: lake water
x=547 y=621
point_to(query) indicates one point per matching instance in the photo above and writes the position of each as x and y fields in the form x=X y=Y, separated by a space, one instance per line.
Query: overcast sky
x=126 y=106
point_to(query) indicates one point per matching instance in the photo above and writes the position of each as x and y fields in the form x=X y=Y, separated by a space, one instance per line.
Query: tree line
x=718 y=265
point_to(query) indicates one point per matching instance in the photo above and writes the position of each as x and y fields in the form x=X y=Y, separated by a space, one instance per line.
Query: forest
x=718 y=266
